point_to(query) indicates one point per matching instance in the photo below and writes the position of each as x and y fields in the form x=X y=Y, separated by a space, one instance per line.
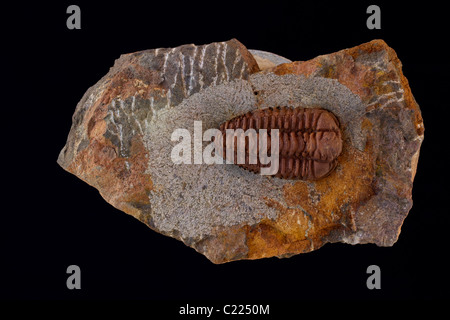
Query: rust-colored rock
x=123 y=136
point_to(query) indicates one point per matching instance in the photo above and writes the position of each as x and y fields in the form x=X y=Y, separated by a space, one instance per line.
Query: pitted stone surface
x=121 y=143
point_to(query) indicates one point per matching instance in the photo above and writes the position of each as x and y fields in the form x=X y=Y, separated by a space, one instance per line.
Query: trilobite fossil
x=310 y=141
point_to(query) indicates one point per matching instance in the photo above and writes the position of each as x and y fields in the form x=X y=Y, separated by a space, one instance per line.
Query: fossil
x=121 y=143
x=309 y=141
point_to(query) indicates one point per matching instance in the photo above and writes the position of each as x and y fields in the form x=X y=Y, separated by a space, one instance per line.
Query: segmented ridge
x=309 y=140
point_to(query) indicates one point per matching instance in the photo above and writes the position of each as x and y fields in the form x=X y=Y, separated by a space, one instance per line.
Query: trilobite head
x=306 y=142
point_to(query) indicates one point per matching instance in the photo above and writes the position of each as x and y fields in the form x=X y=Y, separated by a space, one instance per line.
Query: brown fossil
x=309 y=141
x=121 y=144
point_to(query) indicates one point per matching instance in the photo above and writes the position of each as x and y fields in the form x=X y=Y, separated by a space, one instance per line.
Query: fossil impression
x=349 y=131
x=309 y=141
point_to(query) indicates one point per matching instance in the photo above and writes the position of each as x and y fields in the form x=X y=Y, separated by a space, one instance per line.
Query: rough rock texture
x=267 y=60
x=121 y=143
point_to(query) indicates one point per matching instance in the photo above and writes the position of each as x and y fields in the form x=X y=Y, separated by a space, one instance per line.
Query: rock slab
x=121 y=143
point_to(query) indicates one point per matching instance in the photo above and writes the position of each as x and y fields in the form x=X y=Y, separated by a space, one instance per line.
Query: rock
x=121 y=143
x=267 y=60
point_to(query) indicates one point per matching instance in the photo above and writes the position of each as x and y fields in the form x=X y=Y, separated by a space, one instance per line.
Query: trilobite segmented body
x=310 y=140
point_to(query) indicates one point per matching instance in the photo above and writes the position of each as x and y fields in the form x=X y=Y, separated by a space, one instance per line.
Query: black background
x=51 y=219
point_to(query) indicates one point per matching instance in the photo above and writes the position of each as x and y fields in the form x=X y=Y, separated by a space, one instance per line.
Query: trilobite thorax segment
x=310 y=140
